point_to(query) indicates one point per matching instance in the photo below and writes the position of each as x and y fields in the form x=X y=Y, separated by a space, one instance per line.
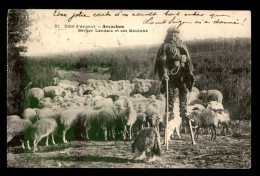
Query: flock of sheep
x=110 y=109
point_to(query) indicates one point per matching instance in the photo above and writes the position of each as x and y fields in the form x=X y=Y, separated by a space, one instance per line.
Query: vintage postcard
x=90 y=88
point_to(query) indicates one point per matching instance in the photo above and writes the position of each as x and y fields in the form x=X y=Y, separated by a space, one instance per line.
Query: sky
x=55 y=31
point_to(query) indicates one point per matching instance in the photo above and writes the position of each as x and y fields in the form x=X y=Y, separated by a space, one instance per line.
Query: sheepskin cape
x=159 y=63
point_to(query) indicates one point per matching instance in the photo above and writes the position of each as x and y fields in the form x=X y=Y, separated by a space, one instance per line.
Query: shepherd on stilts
x=175 y=71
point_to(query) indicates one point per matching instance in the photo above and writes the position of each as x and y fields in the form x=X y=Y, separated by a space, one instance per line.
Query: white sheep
x=192 y=96
x=46 y=99
x=140 y=106
x=45 y=113
x=88 y=96
x=81 y=104
x=96 y=99
x=80 y=91
x=84 y=121
x=88 y=102
x=18 y=127
x=67 y=119
x=195 y=89
x=43 y=128
x=68 y=85
x=123 y=97
x=66 y=94
x=95 y=93
x=13 y=117
x=78 y=105
x=75 y=95
x=76 y=83
x=103 y=119
x=58 y=99
x=52 y=91
x=104 y=93
x=51 y=104
x=33 y=96
x=138 y=96
x=107 y=122
x=153 y=97
x=121 y=111
x=29 y=114
x=56 y=81
x=68 y=105
x=223 y=119
x=214 y=105
x=82 y=99
x=160 y=106
x=211 y=95
x=106 y=103
x=161 y=97
x=84 y=87
x=153 y=116
x=44 y=104
x=131 y=117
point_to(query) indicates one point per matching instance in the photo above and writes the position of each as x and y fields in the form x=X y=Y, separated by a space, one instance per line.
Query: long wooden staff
x=167 y=114
x=191 y=133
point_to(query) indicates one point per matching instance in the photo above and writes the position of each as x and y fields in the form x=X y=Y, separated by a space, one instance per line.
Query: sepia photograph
x=117 y=88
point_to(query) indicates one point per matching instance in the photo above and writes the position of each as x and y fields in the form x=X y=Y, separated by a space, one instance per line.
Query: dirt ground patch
x=231 y=151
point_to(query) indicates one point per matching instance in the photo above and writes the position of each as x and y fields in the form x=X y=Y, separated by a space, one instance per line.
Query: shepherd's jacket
x=171 y=49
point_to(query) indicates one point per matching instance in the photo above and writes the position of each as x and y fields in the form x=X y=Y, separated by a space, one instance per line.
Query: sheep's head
x=88 y=102
x=203 y=91
x=56 y=81
x=141 y=117
x=153 y=97
x=81 y=104
x=128 y=103
x=117 y=109
x=193 y=117
x=58 y=99
x=130 y=120
x=153 y=119
x=41 y=104
x=139 y=108
x=161 y=97
x=154 y=104
x=103 y=94
x=214 y=105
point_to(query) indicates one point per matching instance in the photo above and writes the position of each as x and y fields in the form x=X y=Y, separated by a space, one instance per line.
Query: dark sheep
x=204 y=118
x=107 y=122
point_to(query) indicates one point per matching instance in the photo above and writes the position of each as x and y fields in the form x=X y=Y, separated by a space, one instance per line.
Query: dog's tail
x=157 y=145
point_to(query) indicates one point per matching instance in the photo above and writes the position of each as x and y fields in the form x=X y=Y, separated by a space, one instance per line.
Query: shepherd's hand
x=166 y=77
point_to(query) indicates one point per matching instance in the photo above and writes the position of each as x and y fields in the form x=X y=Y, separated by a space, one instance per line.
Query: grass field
x=231 y=151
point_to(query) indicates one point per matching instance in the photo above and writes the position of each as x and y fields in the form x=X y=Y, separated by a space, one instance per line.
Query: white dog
x=175 y=124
